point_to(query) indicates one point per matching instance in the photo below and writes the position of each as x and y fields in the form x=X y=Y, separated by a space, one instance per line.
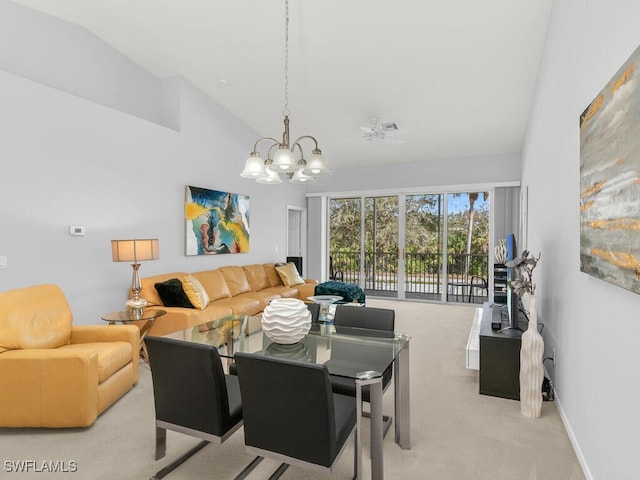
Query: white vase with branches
x=532 y=347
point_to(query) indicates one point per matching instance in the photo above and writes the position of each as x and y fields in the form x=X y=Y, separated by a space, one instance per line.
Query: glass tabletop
x=127 y=316
x=348 y=352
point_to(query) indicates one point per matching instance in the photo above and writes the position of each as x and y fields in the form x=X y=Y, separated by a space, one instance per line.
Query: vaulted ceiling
x=456 y=76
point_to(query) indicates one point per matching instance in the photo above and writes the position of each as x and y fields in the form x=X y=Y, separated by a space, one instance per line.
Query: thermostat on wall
x=76 y=230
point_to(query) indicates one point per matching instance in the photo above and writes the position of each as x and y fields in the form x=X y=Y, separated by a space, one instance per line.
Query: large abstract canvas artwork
x=216 y=222
x=610 y=180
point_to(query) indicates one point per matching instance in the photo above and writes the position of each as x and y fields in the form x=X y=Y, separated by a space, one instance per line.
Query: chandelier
x=281 y=156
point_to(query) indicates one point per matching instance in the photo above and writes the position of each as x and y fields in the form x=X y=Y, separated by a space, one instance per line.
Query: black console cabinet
x=499 y=356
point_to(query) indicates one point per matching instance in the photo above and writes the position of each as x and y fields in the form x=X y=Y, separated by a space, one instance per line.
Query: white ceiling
x=457 y=76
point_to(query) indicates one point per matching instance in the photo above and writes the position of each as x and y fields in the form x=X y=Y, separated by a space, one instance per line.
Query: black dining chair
x=291 y=414
x=192 y=395
x=314 y=308
x=378 y=322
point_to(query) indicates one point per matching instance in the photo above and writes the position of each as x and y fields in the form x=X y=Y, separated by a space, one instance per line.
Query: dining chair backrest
x=365 y=317
x=290 y=410
x=190 y=387
x=314 y=308
x=370 y=321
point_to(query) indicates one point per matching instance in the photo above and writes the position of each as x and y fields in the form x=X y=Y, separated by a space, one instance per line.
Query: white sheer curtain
x=506 y=204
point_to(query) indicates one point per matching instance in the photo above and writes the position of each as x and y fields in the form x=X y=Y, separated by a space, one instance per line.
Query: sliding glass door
x=467 y=247
x=381 y=246
x=423 y=237
x=345 y=238
x=421 y=246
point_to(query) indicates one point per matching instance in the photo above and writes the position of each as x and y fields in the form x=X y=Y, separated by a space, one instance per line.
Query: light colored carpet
x=456 y=434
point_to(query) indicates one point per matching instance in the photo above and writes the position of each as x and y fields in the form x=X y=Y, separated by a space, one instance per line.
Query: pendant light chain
x=280 y=158
x=285 y=112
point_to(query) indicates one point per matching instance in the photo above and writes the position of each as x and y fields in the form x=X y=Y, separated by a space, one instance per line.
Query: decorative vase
x=293 y=351
x=531 y=366
x=501 y=251
x=286 y=320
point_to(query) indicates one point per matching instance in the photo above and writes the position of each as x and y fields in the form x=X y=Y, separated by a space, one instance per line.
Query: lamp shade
x=136 y=250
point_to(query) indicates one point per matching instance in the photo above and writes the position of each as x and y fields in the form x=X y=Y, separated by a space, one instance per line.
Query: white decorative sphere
x=286 y=320
x=294 y=351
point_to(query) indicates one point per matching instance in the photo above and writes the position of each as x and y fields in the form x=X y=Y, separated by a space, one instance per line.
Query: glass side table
x=325 y=317
x=126 y=317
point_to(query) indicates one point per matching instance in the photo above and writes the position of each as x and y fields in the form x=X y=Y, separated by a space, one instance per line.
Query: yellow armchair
x=55 y=374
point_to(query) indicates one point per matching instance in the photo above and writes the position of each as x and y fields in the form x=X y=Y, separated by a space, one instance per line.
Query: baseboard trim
x=572 y=438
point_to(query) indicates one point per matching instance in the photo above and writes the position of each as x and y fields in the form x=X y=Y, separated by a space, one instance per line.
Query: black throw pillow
x=172 y=294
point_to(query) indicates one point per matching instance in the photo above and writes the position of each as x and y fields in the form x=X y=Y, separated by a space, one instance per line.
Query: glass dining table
x=355 y=353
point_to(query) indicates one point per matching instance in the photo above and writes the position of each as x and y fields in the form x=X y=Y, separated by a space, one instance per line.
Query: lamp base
x=136 y=306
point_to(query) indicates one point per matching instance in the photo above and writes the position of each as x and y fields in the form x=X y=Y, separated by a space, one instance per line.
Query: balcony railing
x=467 y=279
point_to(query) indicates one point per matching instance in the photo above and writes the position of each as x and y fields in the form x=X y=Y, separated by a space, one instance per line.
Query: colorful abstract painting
x=216 y=222
x=610 y=180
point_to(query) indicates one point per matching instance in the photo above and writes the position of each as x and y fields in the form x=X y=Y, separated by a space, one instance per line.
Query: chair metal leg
x=161 y=442
x=180 y=460
x=278 y=473
x=249 y=468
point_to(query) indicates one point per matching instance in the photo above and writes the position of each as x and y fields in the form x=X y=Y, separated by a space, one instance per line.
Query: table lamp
x=135 y=251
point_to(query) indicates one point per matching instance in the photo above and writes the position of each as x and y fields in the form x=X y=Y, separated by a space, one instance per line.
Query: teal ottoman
x=349 y=292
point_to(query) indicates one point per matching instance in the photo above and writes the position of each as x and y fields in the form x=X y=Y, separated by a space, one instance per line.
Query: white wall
x=592 y=325
x=97 y=156
x=445 y=172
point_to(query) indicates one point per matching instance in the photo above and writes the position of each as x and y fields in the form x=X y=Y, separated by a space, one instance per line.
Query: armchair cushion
x=112 y=356
x=35 y=317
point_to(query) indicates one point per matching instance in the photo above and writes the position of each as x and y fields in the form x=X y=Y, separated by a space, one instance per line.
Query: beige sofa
x=232 y=290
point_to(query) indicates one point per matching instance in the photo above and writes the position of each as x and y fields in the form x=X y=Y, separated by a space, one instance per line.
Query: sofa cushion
x=289 y=274
x=256 y=276
x=34 y=317
x=112 y=356
x=263 y=296
x=196 y=293
x=214 y=283
x=240 y=305
x=172 y=293
x=272 y=275
x=236 y=280
x=284 y=292
x=149 y=292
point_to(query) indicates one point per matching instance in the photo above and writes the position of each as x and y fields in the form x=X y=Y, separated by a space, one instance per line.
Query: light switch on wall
x=76 y=230
x=3 y=261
